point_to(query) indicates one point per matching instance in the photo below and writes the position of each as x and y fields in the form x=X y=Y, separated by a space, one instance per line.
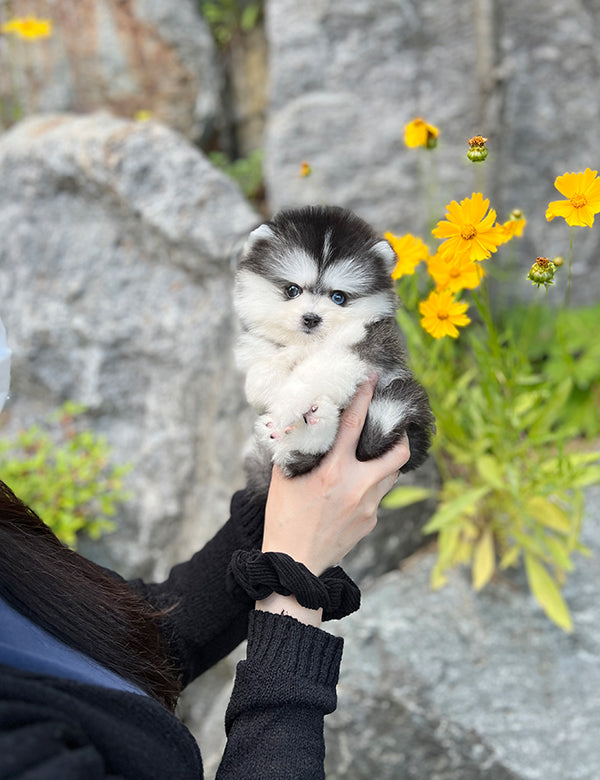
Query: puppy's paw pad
x=310 y=417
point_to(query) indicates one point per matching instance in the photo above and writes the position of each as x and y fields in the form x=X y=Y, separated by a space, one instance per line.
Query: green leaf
x=549 y=514
x=405 y=495
x=455 y=507
x=558 y=552
x=490 y=470
x=484 y=560
x=547 y=593
x=510 y=557
x=551 y=409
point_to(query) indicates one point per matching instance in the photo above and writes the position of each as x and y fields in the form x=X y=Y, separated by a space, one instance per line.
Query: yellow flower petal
x=455 y=274
x=442 y=314
x=582 y=193
x=468 y=229
x=409 y=250
x=419 y=133
x=27 y=27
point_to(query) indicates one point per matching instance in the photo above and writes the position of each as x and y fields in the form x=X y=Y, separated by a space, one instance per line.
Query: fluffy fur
x=317 y=306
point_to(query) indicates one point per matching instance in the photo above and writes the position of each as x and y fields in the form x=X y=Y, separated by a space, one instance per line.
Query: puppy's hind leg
x=400 y=407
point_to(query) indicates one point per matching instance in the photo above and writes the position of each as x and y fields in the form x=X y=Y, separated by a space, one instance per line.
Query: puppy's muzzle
x=311 y=321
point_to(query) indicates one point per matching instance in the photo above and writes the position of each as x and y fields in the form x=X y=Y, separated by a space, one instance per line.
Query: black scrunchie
x=255 y=575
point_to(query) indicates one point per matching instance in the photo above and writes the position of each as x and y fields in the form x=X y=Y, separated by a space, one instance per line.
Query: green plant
x=63 y=472
x=226 y=17
x=246 y=171
x=513 y=397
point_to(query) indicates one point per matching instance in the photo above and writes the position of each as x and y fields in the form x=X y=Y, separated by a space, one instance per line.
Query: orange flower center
x=577 y=201
x=468 y=232
x=442 y=315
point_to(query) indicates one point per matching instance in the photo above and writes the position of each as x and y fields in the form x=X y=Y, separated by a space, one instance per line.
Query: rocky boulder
x=346 y=78
x=125 y=56
x=115 y=289
x=463 y=686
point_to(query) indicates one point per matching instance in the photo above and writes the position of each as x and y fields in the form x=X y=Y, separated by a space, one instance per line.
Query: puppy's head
x=311 y=272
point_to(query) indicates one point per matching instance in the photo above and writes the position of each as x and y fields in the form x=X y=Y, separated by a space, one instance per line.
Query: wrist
x=288 y=605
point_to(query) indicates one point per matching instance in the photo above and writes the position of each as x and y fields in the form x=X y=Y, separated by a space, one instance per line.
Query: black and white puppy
x=317 y=306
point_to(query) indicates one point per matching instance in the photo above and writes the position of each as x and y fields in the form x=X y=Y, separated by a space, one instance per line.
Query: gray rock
x=347 y=77
x=115 y=288
x=453 y=684
x=126 y=56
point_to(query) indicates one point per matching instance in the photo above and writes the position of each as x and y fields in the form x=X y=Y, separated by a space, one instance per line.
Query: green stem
x=429 y=186
x=485 y=310
x=568 y=294
x=479 y=176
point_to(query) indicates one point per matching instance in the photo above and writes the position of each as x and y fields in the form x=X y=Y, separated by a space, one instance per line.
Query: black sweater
x=58 y=729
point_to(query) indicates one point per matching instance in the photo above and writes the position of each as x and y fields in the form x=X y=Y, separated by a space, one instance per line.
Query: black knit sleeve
x=204 y=623
x=282 y=692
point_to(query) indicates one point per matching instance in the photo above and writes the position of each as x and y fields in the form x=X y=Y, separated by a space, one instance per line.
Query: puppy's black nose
x=311 y=321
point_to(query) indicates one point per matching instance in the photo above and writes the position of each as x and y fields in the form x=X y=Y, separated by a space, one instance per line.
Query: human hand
x=318 y=517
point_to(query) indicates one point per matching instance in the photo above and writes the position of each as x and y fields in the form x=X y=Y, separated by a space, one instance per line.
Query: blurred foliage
x=562 y=344
x=247 y=171
x=228 y=17
x=514 y=408
x=62 y=471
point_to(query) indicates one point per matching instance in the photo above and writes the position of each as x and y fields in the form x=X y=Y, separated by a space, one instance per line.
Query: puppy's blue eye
x=293 y=291
x=338 y=297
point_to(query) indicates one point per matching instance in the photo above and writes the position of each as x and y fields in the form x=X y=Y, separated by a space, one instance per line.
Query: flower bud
x=477 y=149
x=542 y=272
x=305 y=170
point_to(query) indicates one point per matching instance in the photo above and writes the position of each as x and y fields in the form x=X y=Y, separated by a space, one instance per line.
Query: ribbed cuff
x=284 y=642
x=249 y=516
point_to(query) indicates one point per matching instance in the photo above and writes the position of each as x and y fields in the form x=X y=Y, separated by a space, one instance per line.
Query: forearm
x=287 y=605
x=282 y=692
x=203 y=621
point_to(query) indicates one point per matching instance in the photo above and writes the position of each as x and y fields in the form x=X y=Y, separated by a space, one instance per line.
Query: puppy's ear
x=261 y=233
x=384 y=250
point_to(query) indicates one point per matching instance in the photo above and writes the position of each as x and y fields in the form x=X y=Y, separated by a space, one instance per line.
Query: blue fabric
x=26 y=646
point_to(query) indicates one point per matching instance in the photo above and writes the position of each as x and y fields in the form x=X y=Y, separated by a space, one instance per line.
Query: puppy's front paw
x=270 y=429
x=310 y=417
x=322 y=412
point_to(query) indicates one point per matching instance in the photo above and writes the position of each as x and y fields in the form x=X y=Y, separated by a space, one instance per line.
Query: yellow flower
x=468 y=229
x=419 y=133
x=28 y=27
x=409 y=251
x=582 y=191
x=143 y=115
x=455 y=273
x=442 y=314
x=514 y=227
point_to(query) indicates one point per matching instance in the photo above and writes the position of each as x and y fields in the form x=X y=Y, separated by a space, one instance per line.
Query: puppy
x=316 y=302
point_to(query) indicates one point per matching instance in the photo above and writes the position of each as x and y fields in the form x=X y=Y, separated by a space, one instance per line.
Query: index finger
x=353 y=417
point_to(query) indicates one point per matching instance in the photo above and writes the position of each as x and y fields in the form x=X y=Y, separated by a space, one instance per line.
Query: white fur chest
x=296 y=375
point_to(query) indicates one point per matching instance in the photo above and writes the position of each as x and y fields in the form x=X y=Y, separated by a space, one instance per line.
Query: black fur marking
x=383 y=344
x=414 y=417
x=302 y=463
x=316 y=229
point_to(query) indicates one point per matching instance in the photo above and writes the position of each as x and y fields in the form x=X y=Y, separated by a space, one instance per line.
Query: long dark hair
x=81 y=603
